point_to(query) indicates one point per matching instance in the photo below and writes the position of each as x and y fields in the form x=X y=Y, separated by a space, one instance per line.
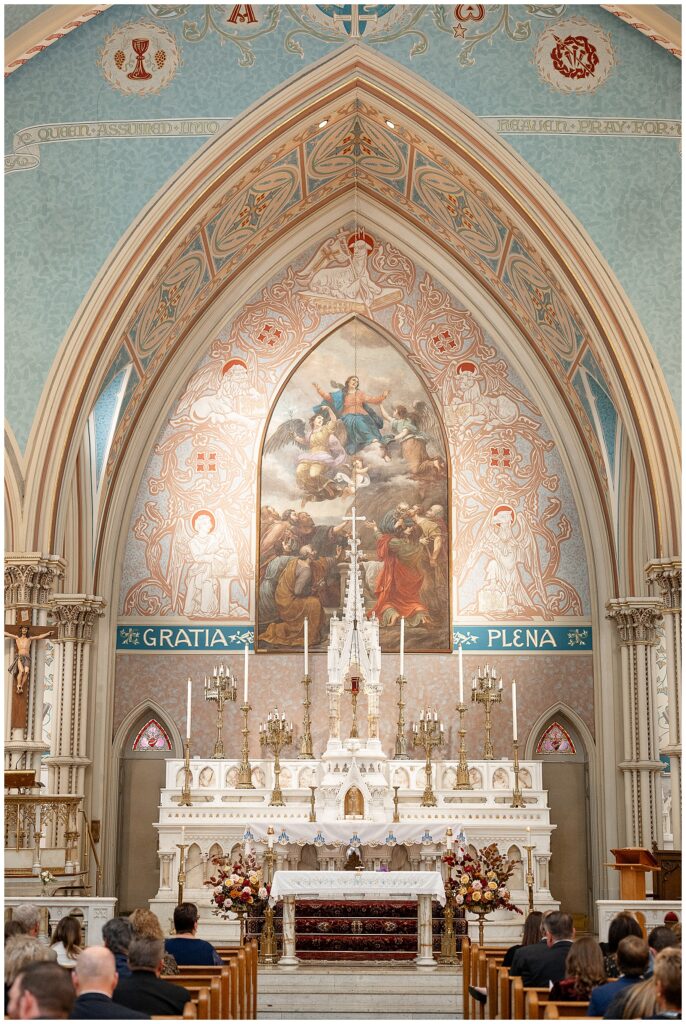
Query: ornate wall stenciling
x=191 y=550
x=574 y=56
x=139 y=58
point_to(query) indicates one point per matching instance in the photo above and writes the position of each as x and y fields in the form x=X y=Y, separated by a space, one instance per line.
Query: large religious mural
x=354 y=427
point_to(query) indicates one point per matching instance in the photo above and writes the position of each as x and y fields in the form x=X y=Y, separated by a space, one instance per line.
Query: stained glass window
x=152 y=737
x=555 y=740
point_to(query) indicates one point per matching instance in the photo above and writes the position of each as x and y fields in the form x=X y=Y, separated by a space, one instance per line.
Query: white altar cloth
x=355 y=833
x=357 y=885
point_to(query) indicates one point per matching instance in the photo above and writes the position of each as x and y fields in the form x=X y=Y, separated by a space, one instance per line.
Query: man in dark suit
x=544 y=962
x=145 y=990
x=95 y=979
x=42 y=990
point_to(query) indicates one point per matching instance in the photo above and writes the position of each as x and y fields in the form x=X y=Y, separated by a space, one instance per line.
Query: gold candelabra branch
x=268 y=944
x=313 y=813
x=428 y=733
x=487 y=689
x=185 y=800
x=462 y=775
x=530 y=875
x=306 y=744
x=400 y=741
x=182 y=871
x=276 y=733
x=245 y=770
x=222 y=686
x=396 y=813
x=517 y=798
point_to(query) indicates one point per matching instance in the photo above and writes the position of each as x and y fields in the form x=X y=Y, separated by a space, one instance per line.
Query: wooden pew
x=190 y=1012
x=229 y=997
x=466 y=976
x=504 y=993
x=535 y=1002
x=207 y=997
x=241 y=956
x=519 y=997
x=490 y=957
x=559 y=1010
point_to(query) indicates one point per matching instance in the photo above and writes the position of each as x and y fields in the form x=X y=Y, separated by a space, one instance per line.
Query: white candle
x=183 y=835
x=461 y=675
x=307 y=628
x=270 y=838
x=449 y=838
x=514 y=710
x=402 y=646
x=245 y=676
x=188 y=711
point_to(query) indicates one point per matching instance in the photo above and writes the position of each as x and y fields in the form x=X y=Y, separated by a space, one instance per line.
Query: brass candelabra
x=396 y=813
x=517 y=798
x=313 y=813
x=530 y=875
x=268 y=944
x=245 y=770
x=487 y=689
x=182 y=871
x=306 y=744
x=462 y=775
x=276 y=733
x=185 y=800
x=428 y=733
x=222 y=686
x=400 y=742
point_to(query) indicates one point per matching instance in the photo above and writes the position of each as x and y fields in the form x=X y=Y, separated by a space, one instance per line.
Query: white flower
x=246 y=888
x=476 y=884
x=234 y=878
x=459 y=900
x=262 y=893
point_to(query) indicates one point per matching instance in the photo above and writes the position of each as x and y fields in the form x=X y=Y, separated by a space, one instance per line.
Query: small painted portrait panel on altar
x=354 y=427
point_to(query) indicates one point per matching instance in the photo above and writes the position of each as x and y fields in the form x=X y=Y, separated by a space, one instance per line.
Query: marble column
x=289 y=959
x=30 y=580
x=665 y=577
x=425 y=951
x=636 y=619
x=75 y=616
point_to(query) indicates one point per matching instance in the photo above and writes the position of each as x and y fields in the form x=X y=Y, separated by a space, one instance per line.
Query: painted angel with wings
x=203 y=558
x=415 y=430
x=322 y=450
x=221 y=393
x=508 y=543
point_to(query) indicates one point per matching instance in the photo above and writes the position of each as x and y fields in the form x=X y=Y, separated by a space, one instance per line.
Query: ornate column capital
x=75 y=615
x=30 y=578
x=665 y=573
x=636 y=618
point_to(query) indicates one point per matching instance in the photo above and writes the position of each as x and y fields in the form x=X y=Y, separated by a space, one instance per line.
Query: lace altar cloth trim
x=355 y=833
x=357 y=885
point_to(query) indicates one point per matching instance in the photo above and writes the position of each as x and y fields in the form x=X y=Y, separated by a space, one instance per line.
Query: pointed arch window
x=555 y=740
x=152 y=736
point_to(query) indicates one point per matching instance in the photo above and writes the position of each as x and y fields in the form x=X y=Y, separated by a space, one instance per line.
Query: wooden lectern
x=632 y=864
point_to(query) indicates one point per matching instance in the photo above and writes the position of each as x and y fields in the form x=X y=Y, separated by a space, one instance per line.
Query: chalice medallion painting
x=354 y=426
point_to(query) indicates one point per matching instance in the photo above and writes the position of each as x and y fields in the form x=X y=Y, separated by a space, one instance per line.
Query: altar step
x=359 y=992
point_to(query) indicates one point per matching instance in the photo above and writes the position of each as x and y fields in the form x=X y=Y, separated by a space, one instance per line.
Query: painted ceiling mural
x=355 y=306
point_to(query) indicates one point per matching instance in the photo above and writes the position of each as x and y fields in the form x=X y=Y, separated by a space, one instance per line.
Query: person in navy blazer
x=95 y=979
x=545 y=962
x=145 y=990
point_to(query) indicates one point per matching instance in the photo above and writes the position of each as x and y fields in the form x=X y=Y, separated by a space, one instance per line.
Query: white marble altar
x=95 y=910
x=424 y=886
x=650 y=913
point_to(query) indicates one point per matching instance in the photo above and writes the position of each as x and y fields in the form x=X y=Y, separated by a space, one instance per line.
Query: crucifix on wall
x=23 y=634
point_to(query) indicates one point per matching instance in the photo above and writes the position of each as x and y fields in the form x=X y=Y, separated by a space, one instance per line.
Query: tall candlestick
x=402 y=646
x=461 y=675
x=307 y=630
x=188 y=711
x=514 y=710
x=245 y=676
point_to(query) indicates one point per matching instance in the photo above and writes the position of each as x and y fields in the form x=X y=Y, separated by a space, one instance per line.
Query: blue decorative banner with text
x=480 y=639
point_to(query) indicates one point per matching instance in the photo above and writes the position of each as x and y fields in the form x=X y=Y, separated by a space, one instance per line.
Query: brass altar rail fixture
x=91 y=846
x=27 y=816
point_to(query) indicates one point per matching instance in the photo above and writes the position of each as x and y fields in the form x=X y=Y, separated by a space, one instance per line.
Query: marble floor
x=359 y=991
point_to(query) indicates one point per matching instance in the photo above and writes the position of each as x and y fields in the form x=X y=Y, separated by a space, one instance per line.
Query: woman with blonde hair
x=66 y=941
x=146 y=925
x=585 y=969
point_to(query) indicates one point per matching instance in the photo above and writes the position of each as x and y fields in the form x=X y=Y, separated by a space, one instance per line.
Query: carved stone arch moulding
x=273 y=168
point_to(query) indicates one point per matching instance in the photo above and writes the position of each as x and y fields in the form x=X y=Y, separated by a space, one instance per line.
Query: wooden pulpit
x=632 y=864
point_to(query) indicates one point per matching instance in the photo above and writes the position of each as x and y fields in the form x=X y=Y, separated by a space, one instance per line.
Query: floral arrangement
x=46 y=878
x=479 y=883
x=239 y=888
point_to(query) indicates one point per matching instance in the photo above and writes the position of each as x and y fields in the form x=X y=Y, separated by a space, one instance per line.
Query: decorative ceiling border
x=44 y=30
x=652 y=22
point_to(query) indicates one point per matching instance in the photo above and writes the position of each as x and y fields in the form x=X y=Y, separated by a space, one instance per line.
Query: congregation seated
x=584 y=971
x=633 y=957
x=28 y=915
x=186 y=948
x=144 y=990
x=667 y=981
x=95 y=979
x=13 y=928
x=641 y=1000
x=66 y=941
x=544 y=962
x=42 y=989
x=532 y=933
x=116 y=935
x=147 y=925
x=21 y=950
x=621 y=926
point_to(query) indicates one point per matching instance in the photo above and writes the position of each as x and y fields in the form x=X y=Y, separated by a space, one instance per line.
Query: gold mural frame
x=384 y=333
